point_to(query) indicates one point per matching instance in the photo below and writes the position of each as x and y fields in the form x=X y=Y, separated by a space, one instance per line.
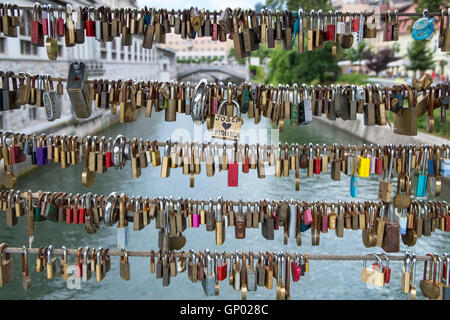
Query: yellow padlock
x=363 y=166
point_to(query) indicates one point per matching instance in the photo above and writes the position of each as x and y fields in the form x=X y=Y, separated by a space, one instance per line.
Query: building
x=197 y=48
x=405 y=38
x=107 y=60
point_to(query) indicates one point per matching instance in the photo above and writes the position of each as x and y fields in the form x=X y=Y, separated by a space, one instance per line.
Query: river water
x=326 y=280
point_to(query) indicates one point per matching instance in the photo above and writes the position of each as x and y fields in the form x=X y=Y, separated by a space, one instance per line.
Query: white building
x=107 y=60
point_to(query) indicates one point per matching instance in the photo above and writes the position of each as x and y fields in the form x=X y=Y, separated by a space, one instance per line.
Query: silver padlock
x=209 y=281
x=307 y=105
x=52 y=102
x=199 y=107
x=78 y=90
x=251 y=274
x=224 y=20
x=292 y=221
x=87 y=271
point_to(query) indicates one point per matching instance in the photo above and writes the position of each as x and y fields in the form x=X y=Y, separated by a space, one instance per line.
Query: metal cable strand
x=22 y=137
x=322 y=257
x=141 y=199
x=218 y=12
x=145 y=83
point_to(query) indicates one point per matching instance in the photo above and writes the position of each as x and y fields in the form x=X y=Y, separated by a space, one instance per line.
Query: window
x=103 y=45
x=129 y=56
x=2 y=45
x=113 y=44
x=103 y=55
x=25 y=23
x=60 y=51
x=114 y=55
x=32 y=113
x=122 y=56
x=164 y=67
x=27 y=49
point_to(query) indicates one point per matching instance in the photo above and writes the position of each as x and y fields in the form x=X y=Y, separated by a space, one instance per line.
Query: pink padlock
x=296 y=270
x=324 y=225
x=373 y=160
x=307 y=217
x=233 y=169
x=196 y=218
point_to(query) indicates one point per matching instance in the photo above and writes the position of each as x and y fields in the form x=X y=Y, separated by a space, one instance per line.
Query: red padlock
x=233 y=171
x=379 y=164
x=90 y=23
x=246 y=163
x=82 y=211
x=275 y=218
x=447 y=222
x=44 y=19
x=355 y=25
x=296 y=269
x=221 y=268
x=69 y=215
x=317 y=163
x=60 y=26
x=17 y=155
x=75 y=212
x=330 y=28
x=109 y=162
x=444 y=268
x=37 y=35
x=215 y=29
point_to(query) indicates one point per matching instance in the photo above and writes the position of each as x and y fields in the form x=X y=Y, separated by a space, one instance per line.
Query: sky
x=210 y=4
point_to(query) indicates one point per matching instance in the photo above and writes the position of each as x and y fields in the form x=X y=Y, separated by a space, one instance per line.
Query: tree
x=356 y=54
x=431 y=5
x=231 y=54
x=290 y=66
x=263 y=52
x=420 y=56
x=296 y=4
x=258 y=7
x=378 y=61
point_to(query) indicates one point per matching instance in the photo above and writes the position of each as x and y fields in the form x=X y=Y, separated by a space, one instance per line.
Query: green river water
x=326 y=279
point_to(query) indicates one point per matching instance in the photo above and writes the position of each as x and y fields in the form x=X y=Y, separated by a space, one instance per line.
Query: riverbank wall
x=72 y=127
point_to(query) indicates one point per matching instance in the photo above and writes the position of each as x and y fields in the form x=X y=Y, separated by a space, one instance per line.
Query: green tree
x=296 y=4
x=231 y=54
x=420 y=56
x=431 y=5
x=263 y=52
x=356 y=54
x=289 y=66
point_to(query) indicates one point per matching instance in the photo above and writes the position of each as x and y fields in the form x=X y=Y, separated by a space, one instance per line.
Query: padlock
x=78 y=90
x=208 y=282
x=6 y=266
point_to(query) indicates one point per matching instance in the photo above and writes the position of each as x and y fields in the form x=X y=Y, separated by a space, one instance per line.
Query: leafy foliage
x=355 y=54
x=289 y=66
x=420 y=56
x=200 y=60
x=431 y=5
x=378 y=61
x=296 y=4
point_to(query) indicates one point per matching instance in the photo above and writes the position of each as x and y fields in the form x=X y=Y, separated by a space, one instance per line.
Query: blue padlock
x=422 y=179
x=354 y=186
x=147 y=19
x=304 y=227
x=431 y=170
x=423 y=28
